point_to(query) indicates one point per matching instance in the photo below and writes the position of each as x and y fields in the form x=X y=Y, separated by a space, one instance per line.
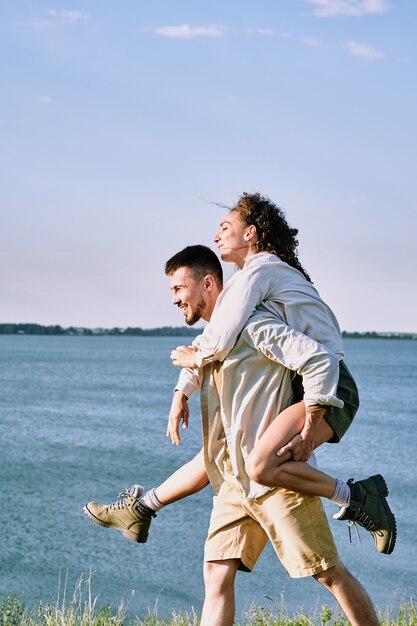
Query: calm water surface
x=84 y=417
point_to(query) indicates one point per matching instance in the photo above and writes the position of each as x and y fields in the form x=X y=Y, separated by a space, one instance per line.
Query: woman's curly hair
x=274 y=233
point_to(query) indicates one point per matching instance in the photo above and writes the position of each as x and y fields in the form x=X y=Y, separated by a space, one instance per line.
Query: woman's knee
x=258 y=468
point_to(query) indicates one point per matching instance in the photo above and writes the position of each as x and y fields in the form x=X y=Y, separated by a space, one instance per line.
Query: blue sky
x=121 y=123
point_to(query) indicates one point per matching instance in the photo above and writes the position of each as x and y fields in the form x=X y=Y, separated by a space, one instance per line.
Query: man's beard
x=197 y=314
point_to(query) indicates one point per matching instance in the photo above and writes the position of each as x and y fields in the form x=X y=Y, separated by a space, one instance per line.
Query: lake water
x=84 y=417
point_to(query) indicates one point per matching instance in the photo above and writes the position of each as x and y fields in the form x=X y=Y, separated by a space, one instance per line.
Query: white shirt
x=256 y=387
x=264 y=283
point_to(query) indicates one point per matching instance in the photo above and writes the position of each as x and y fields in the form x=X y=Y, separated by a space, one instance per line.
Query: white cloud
x=44 y=99
x=312 y=42
x=67 y=17
x=184 y=31
x=363 y=50
x=349 y=8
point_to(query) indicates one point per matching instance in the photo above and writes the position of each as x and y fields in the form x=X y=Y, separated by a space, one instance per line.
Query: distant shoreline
x=55 y=329
x=162 y=331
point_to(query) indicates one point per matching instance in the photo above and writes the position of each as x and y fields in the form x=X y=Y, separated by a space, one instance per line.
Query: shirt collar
x=259 y=258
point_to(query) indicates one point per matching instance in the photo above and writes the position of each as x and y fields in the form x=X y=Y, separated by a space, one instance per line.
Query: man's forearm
x=314 y=415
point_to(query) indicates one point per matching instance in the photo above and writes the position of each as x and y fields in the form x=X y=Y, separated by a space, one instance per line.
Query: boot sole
x=128 y=534
x=383 y=491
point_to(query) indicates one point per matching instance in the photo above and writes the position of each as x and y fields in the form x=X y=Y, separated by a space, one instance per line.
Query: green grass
x=81 y=610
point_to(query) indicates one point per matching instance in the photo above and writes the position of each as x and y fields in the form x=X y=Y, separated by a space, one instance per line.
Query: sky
x=124 y=124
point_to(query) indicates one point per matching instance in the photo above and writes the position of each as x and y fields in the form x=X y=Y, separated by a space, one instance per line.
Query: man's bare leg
x=349 y=593
x=219 y=600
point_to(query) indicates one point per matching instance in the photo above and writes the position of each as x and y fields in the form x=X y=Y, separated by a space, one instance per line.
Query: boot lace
x=352 y=524
x=119 y=505
x=363 y=519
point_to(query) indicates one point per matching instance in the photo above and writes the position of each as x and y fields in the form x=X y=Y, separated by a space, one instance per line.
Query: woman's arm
x=241 y=295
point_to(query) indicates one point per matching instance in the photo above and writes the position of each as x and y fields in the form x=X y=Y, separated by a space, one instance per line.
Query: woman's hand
x=184 y=356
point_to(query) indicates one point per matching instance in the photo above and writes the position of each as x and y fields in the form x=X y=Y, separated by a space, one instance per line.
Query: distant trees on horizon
x=55 y=329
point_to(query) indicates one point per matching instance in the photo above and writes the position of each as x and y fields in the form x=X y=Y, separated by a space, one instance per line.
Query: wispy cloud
x=267 y=32
x=44 y=99
x=67 y=17
x=363 y=50
x=64 y=17
x=348 y=8
x=312 y=42
x=185 y=31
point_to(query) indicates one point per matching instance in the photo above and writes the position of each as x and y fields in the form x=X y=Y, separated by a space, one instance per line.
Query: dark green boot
x=369 y=508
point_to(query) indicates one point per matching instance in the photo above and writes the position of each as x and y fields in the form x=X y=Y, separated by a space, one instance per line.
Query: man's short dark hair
x=200 y=259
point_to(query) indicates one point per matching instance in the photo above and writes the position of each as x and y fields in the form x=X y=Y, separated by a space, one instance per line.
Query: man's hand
x=302 y=445
x=179 y=411
x=184 y=356
x=300 y=448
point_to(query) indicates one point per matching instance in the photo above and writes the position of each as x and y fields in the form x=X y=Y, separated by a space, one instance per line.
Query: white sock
x=341 y=494
x=150 y=499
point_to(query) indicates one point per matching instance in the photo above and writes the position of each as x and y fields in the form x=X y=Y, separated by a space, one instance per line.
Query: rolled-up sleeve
x=295 y=351
x=238 y=300
x=189 y=381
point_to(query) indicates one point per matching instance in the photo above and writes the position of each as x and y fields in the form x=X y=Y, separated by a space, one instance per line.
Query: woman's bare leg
x=188 y=479
x=265 y=467
x=263 y=464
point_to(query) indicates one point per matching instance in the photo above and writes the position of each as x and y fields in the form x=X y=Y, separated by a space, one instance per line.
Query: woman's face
x=233 y=239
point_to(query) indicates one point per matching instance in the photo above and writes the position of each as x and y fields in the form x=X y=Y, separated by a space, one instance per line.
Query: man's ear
x=208 y=282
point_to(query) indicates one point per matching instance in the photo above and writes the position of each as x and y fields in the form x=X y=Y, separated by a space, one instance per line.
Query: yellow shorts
x=296 y=525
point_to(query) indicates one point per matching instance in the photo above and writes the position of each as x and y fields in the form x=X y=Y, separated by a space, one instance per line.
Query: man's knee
x=220 y=575
x=335 y=575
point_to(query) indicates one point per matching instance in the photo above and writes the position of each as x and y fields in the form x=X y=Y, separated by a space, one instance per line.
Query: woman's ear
x=250 y=232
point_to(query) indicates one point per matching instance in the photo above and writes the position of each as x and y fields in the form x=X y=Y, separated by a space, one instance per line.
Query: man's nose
x=175 y=299
x=216 y=237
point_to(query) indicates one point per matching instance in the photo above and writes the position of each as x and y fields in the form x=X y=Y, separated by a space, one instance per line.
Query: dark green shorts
x=339 y=419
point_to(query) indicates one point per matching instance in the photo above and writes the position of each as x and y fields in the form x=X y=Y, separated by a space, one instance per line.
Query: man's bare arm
x=179 y=412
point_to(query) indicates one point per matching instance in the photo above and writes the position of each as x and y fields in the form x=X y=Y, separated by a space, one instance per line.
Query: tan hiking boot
x=129 y=515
